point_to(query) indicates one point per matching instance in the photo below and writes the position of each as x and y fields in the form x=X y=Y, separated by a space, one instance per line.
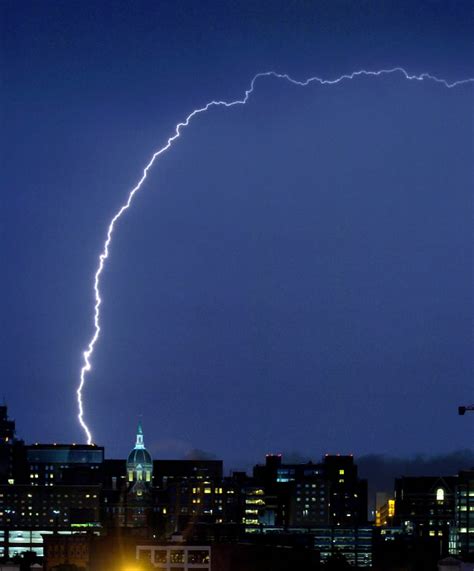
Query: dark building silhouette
x=167 y=471
x=311 y=494
x=424 y=507
x=7 y=426
x=12 y=451
x=348 y=493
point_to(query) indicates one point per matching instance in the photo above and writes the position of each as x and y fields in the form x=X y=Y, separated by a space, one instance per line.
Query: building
x=309 y=494
x=139 y=496
x=57 y=489
x=7 y=426
x=68 y=550
x=348 y=493
x=384 y=510
x=168 y=471
x=354 y=543
x=12 y=451
x=424 y=507
x=67 y=501
x=189 y=493
x=169 y=557
x=462 y=537
x=228 y=557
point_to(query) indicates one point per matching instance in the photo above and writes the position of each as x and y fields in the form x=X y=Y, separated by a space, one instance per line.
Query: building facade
x=462 y=536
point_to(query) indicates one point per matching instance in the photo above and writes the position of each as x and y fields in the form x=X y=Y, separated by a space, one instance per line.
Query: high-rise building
x=309 y=494
x=47 y=487
x=462 y=536
x=348 y=493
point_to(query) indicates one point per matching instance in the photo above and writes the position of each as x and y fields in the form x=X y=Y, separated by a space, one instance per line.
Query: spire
x=139 y=443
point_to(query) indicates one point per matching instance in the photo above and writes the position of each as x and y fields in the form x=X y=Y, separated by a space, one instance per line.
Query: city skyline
x=68 y=504
x=379 y=470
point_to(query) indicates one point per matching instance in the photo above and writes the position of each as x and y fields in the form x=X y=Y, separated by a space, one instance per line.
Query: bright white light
x=87 y=354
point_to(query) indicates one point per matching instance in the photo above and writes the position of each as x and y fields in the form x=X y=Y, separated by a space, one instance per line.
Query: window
x=440 y=495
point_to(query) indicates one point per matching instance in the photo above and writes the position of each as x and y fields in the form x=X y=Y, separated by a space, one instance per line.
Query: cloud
x=295 y=457
x=381 y=470
x=198 y=454
x=168 y=448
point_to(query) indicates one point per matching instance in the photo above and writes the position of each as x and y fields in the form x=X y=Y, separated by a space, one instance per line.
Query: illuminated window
x=341 y=472
x=440 y=495
x=391 y=508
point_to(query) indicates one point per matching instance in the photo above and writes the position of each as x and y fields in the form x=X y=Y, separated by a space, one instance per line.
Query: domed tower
x=139 y=462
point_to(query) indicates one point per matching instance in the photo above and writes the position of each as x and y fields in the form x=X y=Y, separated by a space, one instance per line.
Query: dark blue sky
x=296 y=274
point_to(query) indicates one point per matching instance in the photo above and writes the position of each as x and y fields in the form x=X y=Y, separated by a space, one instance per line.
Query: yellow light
x=132 y=567
x=391 y=508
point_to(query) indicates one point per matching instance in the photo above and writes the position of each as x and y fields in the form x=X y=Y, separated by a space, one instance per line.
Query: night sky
x=295 y=276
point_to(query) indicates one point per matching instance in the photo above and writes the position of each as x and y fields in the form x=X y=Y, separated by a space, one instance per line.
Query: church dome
x=139 y=456
x=139 y=461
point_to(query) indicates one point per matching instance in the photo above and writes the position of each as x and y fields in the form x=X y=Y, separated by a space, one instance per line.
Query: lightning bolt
x=104 y=255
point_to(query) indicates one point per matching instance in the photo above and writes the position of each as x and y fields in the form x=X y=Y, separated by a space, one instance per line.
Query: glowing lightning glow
x=87 y=355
